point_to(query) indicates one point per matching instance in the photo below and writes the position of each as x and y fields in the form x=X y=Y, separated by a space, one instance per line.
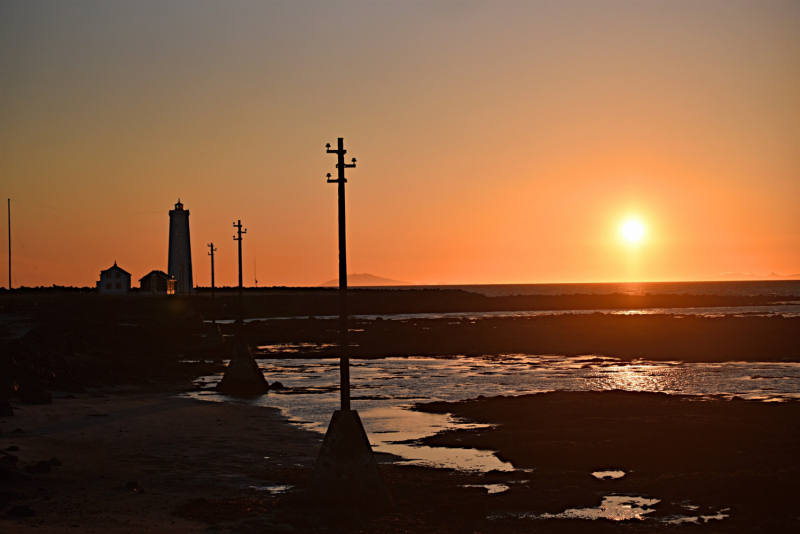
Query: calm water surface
x=729 y=288
x=384 y=390
x=786 y=310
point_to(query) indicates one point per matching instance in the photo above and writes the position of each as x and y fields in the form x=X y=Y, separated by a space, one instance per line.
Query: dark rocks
x=6 y=410
x=134 y=485
x=9 y=471
x=263 y=525
x=12 y=448
x=6 y=466
x=7 y=496
x=283 y=528
x=277 y=385
x=21 y=510
x=55 y=462
x=8 y=387
x=33 y=393
x=39 y=468
x=243 y=377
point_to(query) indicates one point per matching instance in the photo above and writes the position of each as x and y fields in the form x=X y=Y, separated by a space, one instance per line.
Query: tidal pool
x=384 y=390
x=608 y=475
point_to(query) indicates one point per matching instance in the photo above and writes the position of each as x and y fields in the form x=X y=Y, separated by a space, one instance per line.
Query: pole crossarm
x=239 y=231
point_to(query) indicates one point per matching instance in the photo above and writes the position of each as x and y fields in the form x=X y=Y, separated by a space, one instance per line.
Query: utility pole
x=344 y=359
x=9 y=244
x=213 y=310
x=241 y=306
x=346 y=472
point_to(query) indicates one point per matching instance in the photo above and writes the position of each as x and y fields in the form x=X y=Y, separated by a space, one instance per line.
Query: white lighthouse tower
x=180 y=249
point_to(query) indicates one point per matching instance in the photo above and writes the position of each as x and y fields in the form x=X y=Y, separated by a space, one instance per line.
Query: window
x=119 y=286
x=108 y=286
x=108 y=275
x=117 y=274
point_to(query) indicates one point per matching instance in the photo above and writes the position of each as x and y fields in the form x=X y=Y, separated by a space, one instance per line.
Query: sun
x=632 y=230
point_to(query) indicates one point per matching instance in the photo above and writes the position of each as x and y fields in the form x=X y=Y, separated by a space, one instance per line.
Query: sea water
x=384 y=391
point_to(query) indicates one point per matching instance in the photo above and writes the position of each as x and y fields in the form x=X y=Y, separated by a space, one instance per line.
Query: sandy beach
x=176 y=450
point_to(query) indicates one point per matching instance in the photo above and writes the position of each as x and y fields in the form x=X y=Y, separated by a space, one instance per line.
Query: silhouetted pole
x=213 y=309
x=344 y=360
x=241 y=306
x=9 y=244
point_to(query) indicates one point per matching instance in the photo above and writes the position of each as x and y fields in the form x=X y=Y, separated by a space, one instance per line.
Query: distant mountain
x=365 y=280
x=750 y=276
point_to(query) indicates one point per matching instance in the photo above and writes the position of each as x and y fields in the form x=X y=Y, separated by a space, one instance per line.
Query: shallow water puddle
x=613 y=508
x=608 y=475
x=680 y=519
x=273 y=489
x=491 y=489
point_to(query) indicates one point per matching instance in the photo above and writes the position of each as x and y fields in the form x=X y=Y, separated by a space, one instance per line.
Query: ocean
x=728 y=288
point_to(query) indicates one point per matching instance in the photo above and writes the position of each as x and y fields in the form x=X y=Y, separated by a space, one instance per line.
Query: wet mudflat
x=692 y=460
x=209 y=465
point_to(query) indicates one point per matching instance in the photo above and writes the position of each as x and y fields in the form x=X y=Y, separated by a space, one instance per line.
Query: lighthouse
x=180 y=249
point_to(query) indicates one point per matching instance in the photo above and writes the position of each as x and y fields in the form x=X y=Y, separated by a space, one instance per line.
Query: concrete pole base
x=243 y=377
x=346 y=473
x=213 y=337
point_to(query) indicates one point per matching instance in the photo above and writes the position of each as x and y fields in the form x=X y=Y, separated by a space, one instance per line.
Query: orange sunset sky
x=497 y=142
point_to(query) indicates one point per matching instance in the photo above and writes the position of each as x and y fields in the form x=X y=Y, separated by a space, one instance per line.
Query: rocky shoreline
x=91 y=384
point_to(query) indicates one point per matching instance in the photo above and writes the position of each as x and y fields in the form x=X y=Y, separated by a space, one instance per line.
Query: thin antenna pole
x=213 y=309
x=9 y=244
x=241 y=306
x=255 y=268
x=344 y=358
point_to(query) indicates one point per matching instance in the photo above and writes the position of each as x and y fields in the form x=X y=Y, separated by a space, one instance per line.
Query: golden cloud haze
x=497 y=142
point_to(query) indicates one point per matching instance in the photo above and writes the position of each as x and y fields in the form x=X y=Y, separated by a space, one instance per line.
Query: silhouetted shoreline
x=114 y=366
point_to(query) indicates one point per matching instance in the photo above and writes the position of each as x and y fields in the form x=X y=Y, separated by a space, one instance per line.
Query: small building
x=114 y=281
x=157 y=283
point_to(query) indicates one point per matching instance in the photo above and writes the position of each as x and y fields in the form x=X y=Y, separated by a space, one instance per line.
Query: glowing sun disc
x=632 y=230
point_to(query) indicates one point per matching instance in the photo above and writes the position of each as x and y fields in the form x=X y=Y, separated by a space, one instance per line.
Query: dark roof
x=115 y=267
x=156 y=272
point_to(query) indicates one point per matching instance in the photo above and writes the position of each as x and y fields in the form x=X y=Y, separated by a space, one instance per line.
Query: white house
x=114 y=281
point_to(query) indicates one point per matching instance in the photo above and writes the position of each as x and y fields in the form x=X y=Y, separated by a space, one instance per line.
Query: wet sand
x=177 y=450
x=197 y=463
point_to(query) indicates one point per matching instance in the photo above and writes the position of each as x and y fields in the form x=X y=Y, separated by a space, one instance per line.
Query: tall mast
x=344 y=358
x=241 y=306
x=213 y=310
x=9 y=244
